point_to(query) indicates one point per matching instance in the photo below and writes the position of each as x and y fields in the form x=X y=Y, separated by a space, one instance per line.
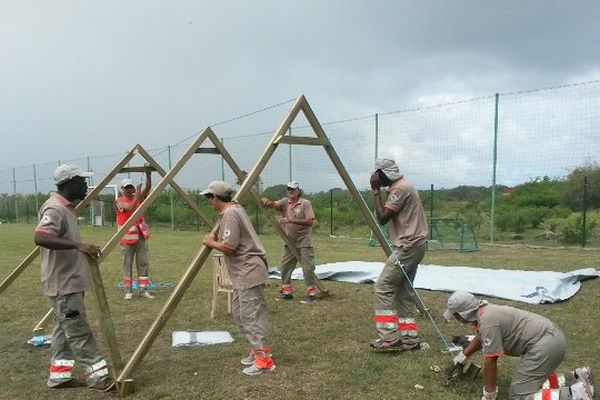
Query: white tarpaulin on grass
x=533 y=287
x=204 y=338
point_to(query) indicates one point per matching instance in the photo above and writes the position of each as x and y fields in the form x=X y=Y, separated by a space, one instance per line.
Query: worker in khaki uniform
x=64 y=279
x=247 y=267
x=297 y=220
x=404 y=212
x=541 y=345
x=134 y=242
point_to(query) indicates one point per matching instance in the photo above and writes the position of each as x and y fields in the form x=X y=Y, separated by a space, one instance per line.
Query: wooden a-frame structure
x=124 y=381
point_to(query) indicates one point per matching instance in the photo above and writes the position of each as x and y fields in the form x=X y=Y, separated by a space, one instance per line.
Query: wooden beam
x=106 y=321
x=49 y=317
x=310 y=141
x=206 y=150
x=126 y=170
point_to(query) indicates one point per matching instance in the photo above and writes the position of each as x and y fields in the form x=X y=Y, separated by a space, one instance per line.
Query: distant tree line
x=543 y=208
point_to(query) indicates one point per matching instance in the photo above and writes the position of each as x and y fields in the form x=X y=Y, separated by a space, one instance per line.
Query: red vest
x=132 y=236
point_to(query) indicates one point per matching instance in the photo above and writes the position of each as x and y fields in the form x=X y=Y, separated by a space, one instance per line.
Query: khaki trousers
x=307 y=262
x=72 y=338
x=393 y=292
x=249 y=310
x=537 y=364
x=139 y=251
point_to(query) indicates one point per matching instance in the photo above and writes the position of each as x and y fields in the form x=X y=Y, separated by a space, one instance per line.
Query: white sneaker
x=585 y=374
x=146 y=294
x=254 y=370
x=128 y=296
x=248 y=361
x=581 y=391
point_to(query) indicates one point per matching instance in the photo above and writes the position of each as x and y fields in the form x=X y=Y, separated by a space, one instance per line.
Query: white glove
x=489 y=395
x=460 y=358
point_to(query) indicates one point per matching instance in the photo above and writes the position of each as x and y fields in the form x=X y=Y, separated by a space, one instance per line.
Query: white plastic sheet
x=204 y=338
x=533 y=287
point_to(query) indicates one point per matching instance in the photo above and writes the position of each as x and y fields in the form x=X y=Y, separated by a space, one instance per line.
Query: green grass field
x=321 y=351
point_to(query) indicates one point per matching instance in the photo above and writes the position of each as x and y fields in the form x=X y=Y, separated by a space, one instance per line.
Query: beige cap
x=464 y=304
x=66 y=172
x=218 y=188
x=388 y=167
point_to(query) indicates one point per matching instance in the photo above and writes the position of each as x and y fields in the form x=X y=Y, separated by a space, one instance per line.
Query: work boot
x=128 y=296
x=308 y=299
x=385 y=346
x=71 y=383
x=254 y=370
x=103 y=385
x=248 y=361
x=146 y=294
x=285 y=296
x=581 y=391
x=584 y=374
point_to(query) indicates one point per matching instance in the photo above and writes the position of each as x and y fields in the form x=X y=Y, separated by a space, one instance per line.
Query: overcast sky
x=83 y=78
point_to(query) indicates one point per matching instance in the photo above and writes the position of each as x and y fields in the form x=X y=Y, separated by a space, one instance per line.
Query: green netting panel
x=451 y=233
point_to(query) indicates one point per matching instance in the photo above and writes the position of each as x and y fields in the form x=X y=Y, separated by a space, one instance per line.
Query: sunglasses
x=291 y=189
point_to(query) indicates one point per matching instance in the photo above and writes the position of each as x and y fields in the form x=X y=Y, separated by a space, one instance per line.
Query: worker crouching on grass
x=247 y=267
x=297 y=220
x=541 y=345
x=394 y=319
x=64 y=279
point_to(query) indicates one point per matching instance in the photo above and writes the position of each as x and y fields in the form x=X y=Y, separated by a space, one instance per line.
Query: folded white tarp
x=205 y=338
x=533 y=287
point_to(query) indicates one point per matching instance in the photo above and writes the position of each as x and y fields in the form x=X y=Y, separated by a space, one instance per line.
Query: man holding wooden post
x=297 y=220
x=64 y=278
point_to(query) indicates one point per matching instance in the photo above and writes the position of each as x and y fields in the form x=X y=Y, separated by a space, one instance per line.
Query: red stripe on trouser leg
x=311 y=291
x=60 y=368
x=287 y=289
x=262 y=358
x=143 y=281
x=385 y=319
x=546 y=394
x=407 y=327
x=127 y=281
x=553 y=381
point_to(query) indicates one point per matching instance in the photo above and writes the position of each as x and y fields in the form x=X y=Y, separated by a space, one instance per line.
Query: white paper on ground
x=204 y=338
x=533 y=287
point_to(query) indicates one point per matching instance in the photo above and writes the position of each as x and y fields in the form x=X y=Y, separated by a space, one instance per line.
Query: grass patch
x=321 y=351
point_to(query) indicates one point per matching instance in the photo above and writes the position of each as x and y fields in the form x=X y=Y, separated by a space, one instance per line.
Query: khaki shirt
x=408 y=228
x=510 y=331
x=247 y=267
x=300 y=235
x=63 y=271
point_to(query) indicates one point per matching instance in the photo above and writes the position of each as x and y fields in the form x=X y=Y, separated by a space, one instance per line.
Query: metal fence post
x=15 y=194
x=35 y=188
x=376 y=135
x=171 y=194
x=495 y=161
x=584 y=222
x=222 y=163
x=290 y=152
x=330 y=212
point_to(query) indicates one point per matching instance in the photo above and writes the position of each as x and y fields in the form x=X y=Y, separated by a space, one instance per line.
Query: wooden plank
x=182 y=193
x=106 y=321
x=126 y=170
x=310 y=141
x=48 y=318
x=206 y=150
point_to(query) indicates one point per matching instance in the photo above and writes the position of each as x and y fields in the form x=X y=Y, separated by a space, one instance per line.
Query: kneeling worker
x=541 y=345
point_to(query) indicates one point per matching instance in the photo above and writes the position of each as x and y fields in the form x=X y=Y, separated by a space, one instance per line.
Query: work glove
x=490 y=395
x=460 y=358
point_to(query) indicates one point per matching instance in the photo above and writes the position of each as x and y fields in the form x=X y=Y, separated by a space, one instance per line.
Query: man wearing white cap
x=541 y=345
x=134 y=242
x=297 y=220
x=247 y=267
x=64 y=279
x=403 y=210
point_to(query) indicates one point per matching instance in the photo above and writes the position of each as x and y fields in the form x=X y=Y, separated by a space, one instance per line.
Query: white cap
x=293 y=185
x=126 y=182
x=218 y=188
x=66 y=172
x=464 y=304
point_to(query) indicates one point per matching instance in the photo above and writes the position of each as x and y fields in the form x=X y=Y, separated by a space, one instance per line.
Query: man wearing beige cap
x=297 y=220
x=541 y=346
x=64 y=279
x=134 y=242
x=404 y=212
x=246 y=264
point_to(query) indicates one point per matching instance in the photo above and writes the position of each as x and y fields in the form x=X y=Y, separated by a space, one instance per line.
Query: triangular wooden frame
x=124 y=381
